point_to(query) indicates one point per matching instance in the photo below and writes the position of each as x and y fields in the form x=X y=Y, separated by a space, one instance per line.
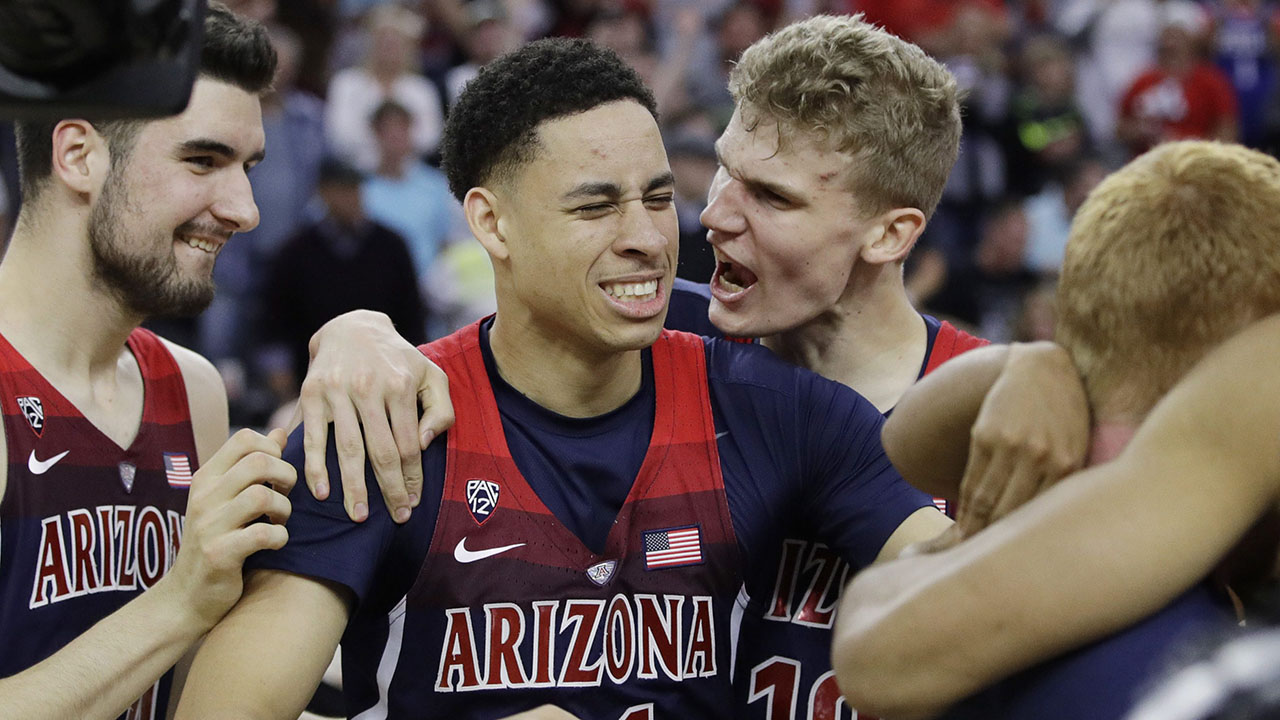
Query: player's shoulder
x=198 y=373
x=752 y=370
x=206 y=398
x=687 y=311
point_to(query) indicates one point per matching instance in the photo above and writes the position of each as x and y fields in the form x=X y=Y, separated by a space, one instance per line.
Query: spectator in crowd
x=693 y=161
x=1118 y=41
x=1050 y=211
x=489 y=33
x=1244 y=32
x=409 y=196
x=1045 y=128
x=389 y=72
x=1181 y=97
x=740 y=25
x=1002 y=279
x=343 y=262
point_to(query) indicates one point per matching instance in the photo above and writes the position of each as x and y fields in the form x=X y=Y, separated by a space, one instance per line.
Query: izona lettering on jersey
x=577 y=643
x=108 y=548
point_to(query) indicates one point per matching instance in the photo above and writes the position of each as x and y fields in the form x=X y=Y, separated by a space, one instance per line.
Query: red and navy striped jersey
x=593 y=563
x=86 y=525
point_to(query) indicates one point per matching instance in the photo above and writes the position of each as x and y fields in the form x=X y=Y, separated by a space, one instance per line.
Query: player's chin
x=737 y=321
x=636 y=335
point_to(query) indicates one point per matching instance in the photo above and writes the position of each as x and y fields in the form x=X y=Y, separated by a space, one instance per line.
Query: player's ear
x=483 y=215
x=81 y=159
x=893 y=236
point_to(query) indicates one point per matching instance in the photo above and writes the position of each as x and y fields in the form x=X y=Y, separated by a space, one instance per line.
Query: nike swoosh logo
x=463 y=555
x=721 y=434
x=40 y=467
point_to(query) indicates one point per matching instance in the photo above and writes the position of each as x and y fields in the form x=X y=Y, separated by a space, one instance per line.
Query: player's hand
x=243 y=481
x=1031 y=431
x=544 y=712
x=362 y=373
x=945 y=540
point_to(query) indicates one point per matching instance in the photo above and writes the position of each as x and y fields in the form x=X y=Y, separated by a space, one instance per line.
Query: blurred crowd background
x=355 y=212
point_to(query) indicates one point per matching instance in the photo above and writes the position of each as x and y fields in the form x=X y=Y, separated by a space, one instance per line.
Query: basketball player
x=604 y=495
x=811 y=234
x=1167 y=258
x=104 y=423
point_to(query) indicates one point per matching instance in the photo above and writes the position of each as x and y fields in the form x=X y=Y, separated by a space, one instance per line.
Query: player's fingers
x=315 y=439
x=243 y=443
x=384 y=457
x=946 y=539
x=279 y=436
x=1023 y=484
x=259 y=468
x=437 y=406
x=350 y=446
x=980 y=490
x=403 y=413
x=255 y=502
x=239 y=544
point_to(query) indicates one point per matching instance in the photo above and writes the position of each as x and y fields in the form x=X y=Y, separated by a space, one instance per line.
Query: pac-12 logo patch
x=33 y=410
x=482 y=498
x=601 y=573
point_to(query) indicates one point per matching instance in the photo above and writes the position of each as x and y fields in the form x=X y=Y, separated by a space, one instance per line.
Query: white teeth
x=633 y=291
x=199 y=244
x=730 y=286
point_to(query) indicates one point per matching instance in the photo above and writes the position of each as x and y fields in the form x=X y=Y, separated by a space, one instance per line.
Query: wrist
x=353 y=317
x=177 y=606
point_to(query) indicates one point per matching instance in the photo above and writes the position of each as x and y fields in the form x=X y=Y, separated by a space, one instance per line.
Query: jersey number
x=777 y=682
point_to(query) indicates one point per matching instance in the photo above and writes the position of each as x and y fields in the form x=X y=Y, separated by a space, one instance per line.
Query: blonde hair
x=1167 y=258
x=862 y=91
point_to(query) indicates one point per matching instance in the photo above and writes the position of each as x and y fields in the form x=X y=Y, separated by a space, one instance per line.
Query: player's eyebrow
x=612 y=190
x=214 y=147
x=755 y=182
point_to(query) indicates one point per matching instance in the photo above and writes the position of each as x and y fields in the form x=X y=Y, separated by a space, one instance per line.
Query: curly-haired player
x=589 y=521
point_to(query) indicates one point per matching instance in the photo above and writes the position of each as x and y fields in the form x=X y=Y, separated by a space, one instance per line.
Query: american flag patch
x=942 y=505
x=177 y=470
x=673 y=547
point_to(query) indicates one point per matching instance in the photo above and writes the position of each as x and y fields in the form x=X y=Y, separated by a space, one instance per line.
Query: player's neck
x=872 y=340
x=1108 y=438
x=559 y=376
x=53 y=311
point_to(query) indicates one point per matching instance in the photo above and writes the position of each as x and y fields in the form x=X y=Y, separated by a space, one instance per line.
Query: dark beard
x=146 y=286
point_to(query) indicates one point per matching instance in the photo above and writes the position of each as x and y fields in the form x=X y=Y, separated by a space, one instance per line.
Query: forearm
x=103 y=671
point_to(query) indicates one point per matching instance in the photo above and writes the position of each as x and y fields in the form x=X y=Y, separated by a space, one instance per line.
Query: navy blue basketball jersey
x=1106 y=679
x=505 y=591
x=783 y=665
x=86 y=525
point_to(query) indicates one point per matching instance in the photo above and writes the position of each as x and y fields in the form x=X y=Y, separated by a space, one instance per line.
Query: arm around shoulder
x=1200 y=471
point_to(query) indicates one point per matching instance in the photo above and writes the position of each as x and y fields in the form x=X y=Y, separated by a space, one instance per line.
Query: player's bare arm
x=1153 y=502
x=991 y=428
x=104 y=670
x=365 y=377
x=266 y=657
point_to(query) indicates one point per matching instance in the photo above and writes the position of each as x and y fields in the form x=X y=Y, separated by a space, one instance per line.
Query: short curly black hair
x=492 y=128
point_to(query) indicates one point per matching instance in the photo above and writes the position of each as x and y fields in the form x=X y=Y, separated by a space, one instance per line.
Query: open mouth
x=732 y=277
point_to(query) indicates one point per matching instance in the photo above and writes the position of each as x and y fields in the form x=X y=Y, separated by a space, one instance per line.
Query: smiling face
x=785 y=227
x=169 y=206
x=588 y=232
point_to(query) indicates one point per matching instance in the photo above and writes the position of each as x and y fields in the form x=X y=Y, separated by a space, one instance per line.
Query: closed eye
x=659 y=202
